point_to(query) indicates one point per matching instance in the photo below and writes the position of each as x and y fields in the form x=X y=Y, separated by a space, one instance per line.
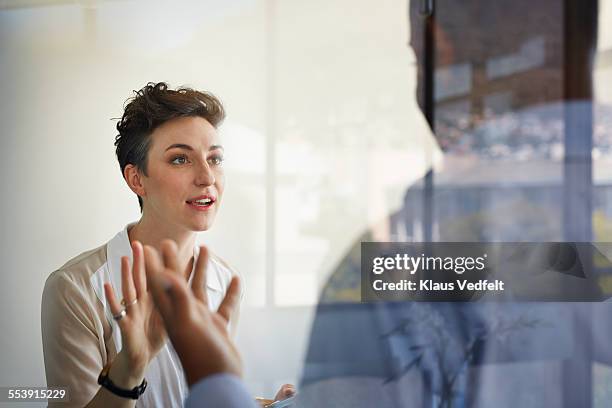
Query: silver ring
x=133 y=302
x=120 y=316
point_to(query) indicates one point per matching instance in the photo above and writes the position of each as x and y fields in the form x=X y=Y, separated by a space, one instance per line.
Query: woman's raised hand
x=142 y=328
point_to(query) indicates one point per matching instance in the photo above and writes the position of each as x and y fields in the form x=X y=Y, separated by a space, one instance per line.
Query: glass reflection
x=512 y=109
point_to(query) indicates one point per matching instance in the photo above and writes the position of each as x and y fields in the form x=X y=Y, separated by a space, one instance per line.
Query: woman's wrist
x=126 y=375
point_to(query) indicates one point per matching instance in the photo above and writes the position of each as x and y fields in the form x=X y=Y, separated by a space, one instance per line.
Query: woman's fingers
x=127 y=282
x=198 y=285
x=286 y=391
x=138 y=269
x=230 y=301
x=115 y=307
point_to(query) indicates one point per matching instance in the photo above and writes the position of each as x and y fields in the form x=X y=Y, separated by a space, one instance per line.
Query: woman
x=107 y=351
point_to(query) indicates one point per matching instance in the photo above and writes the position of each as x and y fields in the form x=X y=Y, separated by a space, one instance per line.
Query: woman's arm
x=72 y=344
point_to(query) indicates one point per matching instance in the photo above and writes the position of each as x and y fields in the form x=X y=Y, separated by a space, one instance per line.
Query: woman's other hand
x=142 y=330
x=286 y=391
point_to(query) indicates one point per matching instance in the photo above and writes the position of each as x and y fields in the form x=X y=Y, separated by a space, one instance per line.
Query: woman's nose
x=205 y=175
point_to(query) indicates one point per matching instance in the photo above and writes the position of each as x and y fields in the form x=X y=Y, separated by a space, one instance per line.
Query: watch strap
x=106 y=382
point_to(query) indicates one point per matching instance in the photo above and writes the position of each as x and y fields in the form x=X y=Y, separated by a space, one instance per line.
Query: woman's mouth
x=201 y=204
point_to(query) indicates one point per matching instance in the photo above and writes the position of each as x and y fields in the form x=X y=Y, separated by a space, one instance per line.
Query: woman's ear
x=133 y=177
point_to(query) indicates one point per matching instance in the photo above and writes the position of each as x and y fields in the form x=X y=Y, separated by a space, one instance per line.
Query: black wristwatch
x=106 y=382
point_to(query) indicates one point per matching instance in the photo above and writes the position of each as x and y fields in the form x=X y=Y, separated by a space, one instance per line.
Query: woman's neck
x=153 y=234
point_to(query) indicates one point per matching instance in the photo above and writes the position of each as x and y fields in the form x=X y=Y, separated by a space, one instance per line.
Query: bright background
x=322 y=136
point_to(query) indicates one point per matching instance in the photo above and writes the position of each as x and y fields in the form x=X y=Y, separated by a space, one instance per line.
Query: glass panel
x=498 y=86
x=520 y=135
x=348 y=138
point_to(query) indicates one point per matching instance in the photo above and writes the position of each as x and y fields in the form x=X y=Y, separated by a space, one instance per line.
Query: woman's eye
x=216 y=161
x=179 y=160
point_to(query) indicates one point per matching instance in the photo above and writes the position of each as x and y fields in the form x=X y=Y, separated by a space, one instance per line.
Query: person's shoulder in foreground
x=219 y=390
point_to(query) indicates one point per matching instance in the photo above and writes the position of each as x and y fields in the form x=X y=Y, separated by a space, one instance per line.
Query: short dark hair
x=152 y=106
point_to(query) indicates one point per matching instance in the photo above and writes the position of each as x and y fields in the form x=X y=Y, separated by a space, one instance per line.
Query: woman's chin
x=201 y=226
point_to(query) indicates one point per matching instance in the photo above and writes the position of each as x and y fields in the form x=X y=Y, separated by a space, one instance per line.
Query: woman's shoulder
x=68 y=290
x=75 y=275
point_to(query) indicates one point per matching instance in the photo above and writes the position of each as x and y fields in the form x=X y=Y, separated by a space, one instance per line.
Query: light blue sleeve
x=219 y=390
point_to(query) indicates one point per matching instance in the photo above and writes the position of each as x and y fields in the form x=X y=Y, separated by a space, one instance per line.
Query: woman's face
x=184 y=182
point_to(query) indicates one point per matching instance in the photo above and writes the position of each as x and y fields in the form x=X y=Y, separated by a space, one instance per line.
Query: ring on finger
x=128 y=304
x=120 y=315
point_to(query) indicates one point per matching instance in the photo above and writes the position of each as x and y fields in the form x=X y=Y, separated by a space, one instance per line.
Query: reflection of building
x=494 y=60
x=533 y=133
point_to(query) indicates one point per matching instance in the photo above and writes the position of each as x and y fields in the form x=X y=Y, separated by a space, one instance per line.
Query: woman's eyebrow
x=187 y=147
x=179 y=146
